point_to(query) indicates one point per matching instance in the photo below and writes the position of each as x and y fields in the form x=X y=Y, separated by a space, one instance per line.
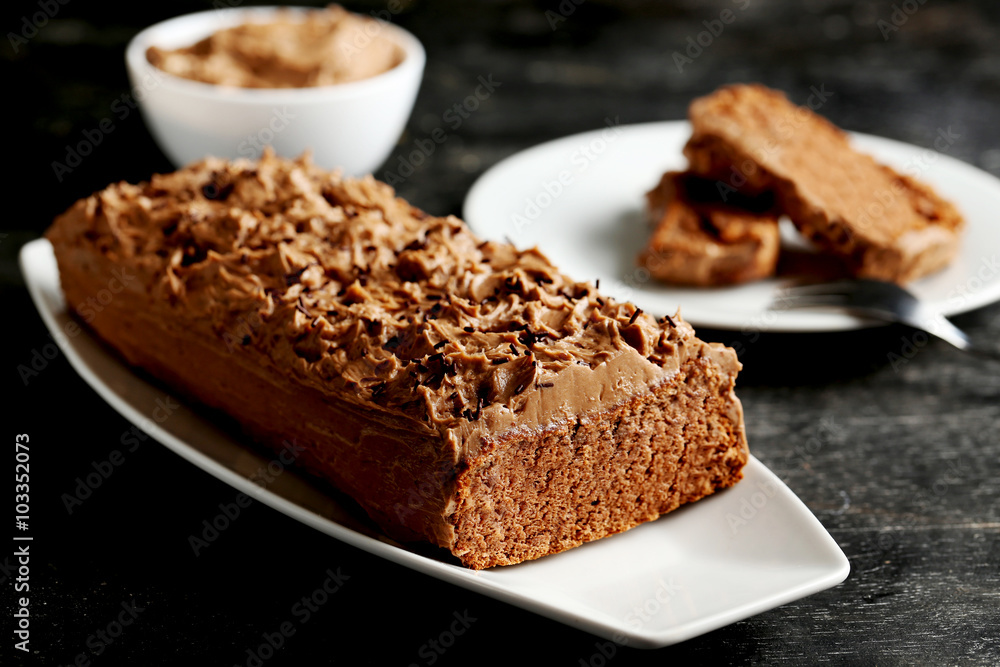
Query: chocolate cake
x=464 y=392
x=884 y=225
x=705 y=236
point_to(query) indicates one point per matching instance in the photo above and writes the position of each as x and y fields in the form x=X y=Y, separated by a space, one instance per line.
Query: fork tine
x=836 y=287
x=788 y=302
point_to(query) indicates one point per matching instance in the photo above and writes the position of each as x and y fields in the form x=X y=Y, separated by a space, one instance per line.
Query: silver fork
x=878 y=300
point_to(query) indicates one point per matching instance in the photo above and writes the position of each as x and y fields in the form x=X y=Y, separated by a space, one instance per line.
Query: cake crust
x=408 y=359
x=885 y=225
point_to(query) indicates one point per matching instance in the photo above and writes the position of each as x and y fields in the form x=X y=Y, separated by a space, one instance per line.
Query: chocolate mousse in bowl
x=319 y=48
x=228 y=83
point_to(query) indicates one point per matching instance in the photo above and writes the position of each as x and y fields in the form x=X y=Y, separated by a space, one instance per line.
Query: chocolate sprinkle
x=439 y=345
x=468 y=329
x=501 y=360
x=529 y=338
x=294 y=277
x=214 y=192
x=635 y=315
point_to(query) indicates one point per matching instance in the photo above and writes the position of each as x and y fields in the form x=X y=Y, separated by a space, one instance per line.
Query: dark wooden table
x=899 y=461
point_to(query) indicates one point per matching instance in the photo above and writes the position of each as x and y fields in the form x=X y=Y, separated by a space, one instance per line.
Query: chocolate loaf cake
x=705 y=240
x=464 y=392
x=884 y=225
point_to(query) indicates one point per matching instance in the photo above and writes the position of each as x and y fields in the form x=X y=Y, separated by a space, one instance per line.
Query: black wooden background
x=899 y=461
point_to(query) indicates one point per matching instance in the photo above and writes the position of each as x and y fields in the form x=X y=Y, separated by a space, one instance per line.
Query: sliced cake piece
x=464 y=392
x=705 y=236
x=885 y=225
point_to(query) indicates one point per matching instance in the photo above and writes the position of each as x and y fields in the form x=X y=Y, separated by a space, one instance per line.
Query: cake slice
x=884 y=225
x=704 y=237
x=463 y=391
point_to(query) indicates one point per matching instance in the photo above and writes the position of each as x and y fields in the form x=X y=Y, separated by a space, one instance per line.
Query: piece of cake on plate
x=705 y=236
x=884 y=225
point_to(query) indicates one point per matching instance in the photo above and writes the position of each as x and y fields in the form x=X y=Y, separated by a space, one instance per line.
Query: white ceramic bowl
x=350 y=125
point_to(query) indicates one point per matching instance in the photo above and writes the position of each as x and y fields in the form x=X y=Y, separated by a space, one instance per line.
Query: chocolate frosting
x=359 y=294
x=322 y=48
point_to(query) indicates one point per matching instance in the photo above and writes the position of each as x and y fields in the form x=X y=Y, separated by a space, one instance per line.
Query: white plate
x=592 y=224
x=722 y=559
